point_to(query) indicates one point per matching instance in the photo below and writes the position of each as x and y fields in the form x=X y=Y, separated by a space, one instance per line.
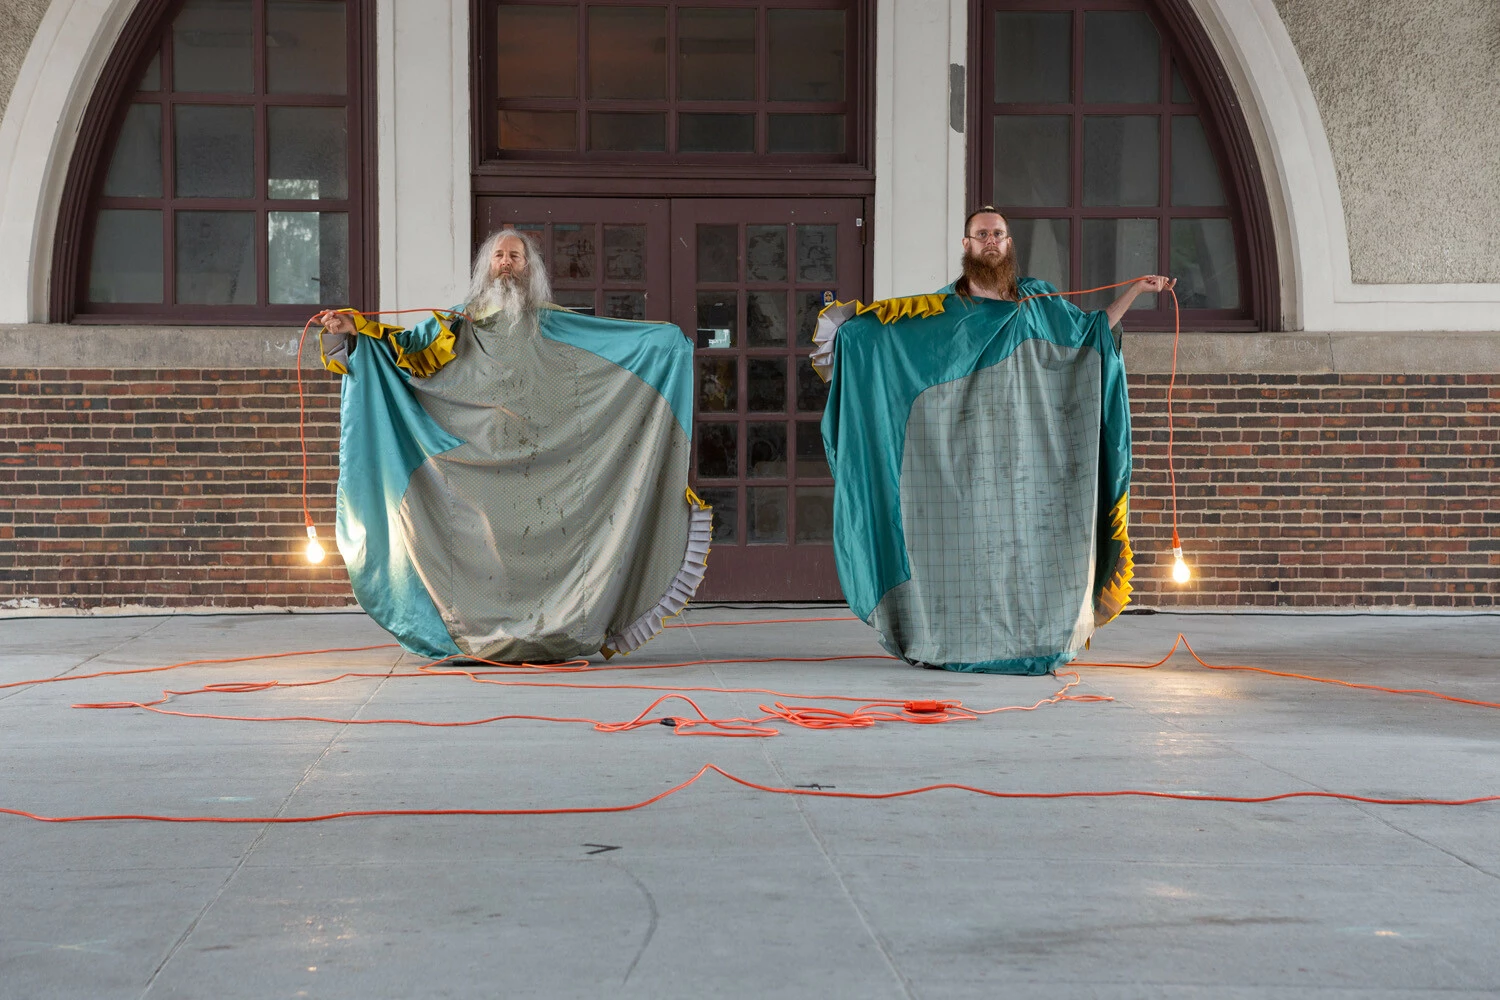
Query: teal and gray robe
x=518 y=492
x=981 y=460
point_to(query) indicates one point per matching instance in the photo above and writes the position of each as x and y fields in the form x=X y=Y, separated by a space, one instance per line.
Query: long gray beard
x=507 y=302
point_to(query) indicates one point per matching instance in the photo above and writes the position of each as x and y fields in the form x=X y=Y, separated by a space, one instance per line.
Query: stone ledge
x=1416 y=353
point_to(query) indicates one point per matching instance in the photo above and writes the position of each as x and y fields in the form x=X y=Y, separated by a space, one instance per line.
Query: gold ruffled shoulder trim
x=1116 y=593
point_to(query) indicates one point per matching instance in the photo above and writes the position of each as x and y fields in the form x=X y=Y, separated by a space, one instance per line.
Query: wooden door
x=748 y=279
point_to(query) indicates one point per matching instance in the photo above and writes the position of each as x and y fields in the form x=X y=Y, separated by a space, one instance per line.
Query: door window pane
x=766 y=448
x=718 y=451
x=577 y=300
x=624 y=253
x=135 y=170
x=767 y=391
x=765 y=253
x=628 y=52
x=725 y=504
x=718 y=253
x=1121 y=158
x=1033 y=57
x=717 y=385
x=215 y=151
x=766 y=515
x=625 y=305
x=1195 y=175
x=1117 y=250
x=807 y=55
x=1180 y=92
x=806 y=133
x=1032 y=160
x=718 y=319
x=1203 y=261
x=706 y=133
x=812 y=462
x=1121 y=58
x=1041 y=248
x=306 y=46
x=216 y=258
x=309 y=257
x=765 y=319
x=812 y=391
x=573 y=252
x=628 y=132
x=817 y=254
x=211 y=48
x=151 y=78
x=809 y=304
x=539 y=130
x=537 y=54
x=127 y=259
x=309 y=153
x=815 y=514
x=715 y=54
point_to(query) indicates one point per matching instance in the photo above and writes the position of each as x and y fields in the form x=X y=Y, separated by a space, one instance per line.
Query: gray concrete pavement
x=723 y=891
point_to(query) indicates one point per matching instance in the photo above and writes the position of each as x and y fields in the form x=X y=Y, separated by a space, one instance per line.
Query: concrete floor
x=723 y=891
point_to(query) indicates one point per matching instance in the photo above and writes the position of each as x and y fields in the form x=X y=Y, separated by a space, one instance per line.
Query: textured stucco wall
x=18 y=22
x=1407 y=92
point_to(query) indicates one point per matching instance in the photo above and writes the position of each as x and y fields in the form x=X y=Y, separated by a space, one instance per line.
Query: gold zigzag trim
x=1116 y=593
x=426 y=362
x=890 y=310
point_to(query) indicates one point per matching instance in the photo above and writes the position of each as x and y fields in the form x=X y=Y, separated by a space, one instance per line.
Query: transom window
x=566 y=79
x=229 y=192
x=1095 y=145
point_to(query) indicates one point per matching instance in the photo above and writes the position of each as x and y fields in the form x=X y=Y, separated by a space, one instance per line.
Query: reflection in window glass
x=815 y=514
x=211 y=48
x=151 y=78
x=715 y=54
x=537 y=55
x=806 y=133
x=715 y=133
x=718 y=450
x=127 y=259
x=1041 y=249
x=628 y=52
x=309 y=153
x=812 y=461
x=135 y=169
x=765 y=253
x=624 y=253
x=216 y=258
x=765 y=319
x=812 y=391
x=766 y=385
x=1117 y=250
x=718 y=253
x=1203 y=261
x=718 y=319
x=809 y=304
x=306 y=47
x=765 y=445
x=539 y=130
x=1032 y=160
x=1121 y=160
x=725 y=504
x=1180 y=92
x=817 y=254
x=1121 y=58
x=628 y=131
x=625 y=305
x=577 y=300
x=573 y=252
x=215 y=151
x=1033 y=56
x=765 y=515
x=309 y=257
x=718 y=388
x=806 y=55
x=1195 y=175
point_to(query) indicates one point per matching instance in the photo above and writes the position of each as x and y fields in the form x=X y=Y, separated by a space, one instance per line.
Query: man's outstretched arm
x=1150 y=283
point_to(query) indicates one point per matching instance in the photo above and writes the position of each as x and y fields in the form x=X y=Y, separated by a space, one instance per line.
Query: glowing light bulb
x=1180 y=572
x=314 y=550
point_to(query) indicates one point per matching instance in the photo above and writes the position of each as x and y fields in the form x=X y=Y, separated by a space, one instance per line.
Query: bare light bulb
x=314 y=550
x=1180 y=572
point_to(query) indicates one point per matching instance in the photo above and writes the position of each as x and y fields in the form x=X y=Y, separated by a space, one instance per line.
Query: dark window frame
x=146 y=35
x=632 y=174
x=1212 y=100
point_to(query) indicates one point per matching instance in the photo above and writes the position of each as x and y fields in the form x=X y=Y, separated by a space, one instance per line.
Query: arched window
x=220 y=175
x=1107 y=135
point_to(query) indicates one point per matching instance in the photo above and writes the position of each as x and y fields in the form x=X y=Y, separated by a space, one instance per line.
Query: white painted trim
x=422 y=137
x=1319 y=292
x=37 y=136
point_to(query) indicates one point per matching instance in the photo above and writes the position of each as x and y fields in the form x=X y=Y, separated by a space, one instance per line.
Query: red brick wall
x=182 y=488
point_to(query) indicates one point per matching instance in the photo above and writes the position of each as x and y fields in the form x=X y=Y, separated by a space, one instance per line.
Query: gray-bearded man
x=513 y=475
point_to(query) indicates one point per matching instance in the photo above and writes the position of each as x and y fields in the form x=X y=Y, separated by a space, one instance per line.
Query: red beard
x=985 y=271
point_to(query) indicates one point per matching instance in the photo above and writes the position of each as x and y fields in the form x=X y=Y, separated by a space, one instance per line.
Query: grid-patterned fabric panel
x=999 y=483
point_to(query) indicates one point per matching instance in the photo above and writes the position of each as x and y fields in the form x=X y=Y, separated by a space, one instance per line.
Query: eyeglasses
x=985 y=236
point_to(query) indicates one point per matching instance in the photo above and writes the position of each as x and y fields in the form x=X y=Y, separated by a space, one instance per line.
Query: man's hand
x=1154 y=283
x=336 y=322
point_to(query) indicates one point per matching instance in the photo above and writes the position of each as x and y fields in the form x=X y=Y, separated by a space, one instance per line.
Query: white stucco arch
x=1318 y=289
x=37 y=135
